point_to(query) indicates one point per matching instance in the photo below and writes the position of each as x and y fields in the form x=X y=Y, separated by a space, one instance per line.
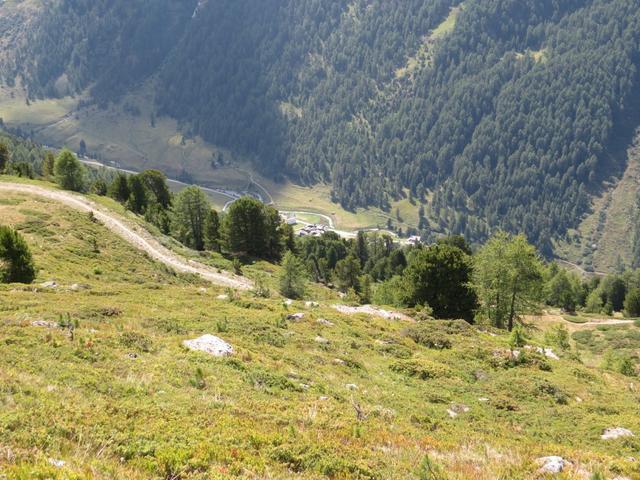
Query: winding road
x=136 y=236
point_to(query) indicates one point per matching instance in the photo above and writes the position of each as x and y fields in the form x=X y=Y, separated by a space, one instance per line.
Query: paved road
x=132 y=234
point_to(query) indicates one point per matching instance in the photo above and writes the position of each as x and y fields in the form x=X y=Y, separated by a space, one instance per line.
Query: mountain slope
x=492 y=113
x=119 y=396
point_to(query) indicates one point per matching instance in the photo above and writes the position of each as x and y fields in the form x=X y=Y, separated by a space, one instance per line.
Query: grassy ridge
x=123 y=399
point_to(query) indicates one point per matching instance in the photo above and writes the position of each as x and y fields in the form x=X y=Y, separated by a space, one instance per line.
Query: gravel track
x=132 y=234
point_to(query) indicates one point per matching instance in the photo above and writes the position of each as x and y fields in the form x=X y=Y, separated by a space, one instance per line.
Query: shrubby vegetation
x=16 y=262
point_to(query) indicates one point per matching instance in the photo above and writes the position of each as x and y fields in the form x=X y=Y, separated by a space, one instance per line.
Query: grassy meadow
x=95 y=382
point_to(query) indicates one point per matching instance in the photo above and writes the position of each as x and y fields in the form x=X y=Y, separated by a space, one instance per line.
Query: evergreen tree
x=137 y=201
x=4 y=157
x=439 y=276
x=212 y=231
x=48 y=164
x=68 y=171
x=119 y=188
x=632 y=303
x=507 y=278
x=189 y=219
x=292 y=278
x=16 y=262
x=560 y=292
x=348 y=274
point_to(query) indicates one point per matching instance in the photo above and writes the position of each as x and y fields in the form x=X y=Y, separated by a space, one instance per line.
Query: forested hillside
x=493 y=113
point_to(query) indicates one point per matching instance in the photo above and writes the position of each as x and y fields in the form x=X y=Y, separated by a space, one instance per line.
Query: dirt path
x=552 y=318
x=132 y=234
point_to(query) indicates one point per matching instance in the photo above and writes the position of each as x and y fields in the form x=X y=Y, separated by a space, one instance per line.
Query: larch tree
x=507 y=278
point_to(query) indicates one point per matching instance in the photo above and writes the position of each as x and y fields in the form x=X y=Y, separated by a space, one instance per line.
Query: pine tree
x=16 y=262
x=293 y=276
x=190 y=212
x=68 y=171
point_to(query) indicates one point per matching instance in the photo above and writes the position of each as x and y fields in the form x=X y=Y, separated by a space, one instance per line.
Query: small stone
x=321 y=340
x=76 y=287
x=311 y=304
x=304 y=386
x=44 y=324
x=552 y=464
x=613 y=433
x=578 y=400
x=57 y=463
x=210 y=344
x=351 y=386
x=223 y=297
x=323 y=398
x=132 y=356
x=202 y=290
x=49 y=284
x=288 y=302
x=339 y=361
x=483 y=399
x=295 y=316
x=324 y=322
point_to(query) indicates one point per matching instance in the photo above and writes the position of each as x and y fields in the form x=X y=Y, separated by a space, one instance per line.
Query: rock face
x=552 y=464
x=613 y=433
x=210 y=344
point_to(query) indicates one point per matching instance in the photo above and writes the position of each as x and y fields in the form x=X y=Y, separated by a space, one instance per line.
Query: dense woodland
x=510 y=120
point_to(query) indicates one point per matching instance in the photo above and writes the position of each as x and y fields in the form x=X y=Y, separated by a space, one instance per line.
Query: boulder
x=210 y=344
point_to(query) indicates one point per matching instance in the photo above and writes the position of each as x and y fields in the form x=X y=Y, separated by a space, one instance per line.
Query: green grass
x=123 y=399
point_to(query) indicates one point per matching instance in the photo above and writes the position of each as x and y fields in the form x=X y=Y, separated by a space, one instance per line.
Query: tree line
x=499 y=282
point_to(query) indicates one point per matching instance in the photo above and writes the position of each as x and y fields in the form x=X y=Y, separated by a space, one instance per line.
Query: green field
x=118 y=396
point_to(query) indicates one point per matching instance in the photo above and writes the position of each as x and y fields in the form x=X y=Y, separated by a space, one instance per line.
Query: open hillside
x=95 y=381
x=464 y=116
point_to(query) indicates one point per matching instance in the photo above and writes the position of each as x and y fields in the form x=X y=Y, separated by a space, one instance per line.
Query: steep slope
x=490 y=113
x=95 y=382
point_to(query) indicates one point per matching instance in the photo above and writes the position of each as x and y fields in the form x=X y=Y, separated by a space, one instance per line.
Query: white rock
x=295 y=316
x=578 y=399
x=77 y=287
x=311 y=304
x=50 y=284
x=288 y=302
x=202 y=290
x=324 y=322
x=304 y=386
x=351 y=386
x=210 y=344
x=322 y=340
x=483 y=399
x=323 y=398
x=457 y=409
x=57 y=463
x=613 y=433
x=547 y=352
x=223 y=297
x=339 y=361
x=552 y=464
x=44 y=323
